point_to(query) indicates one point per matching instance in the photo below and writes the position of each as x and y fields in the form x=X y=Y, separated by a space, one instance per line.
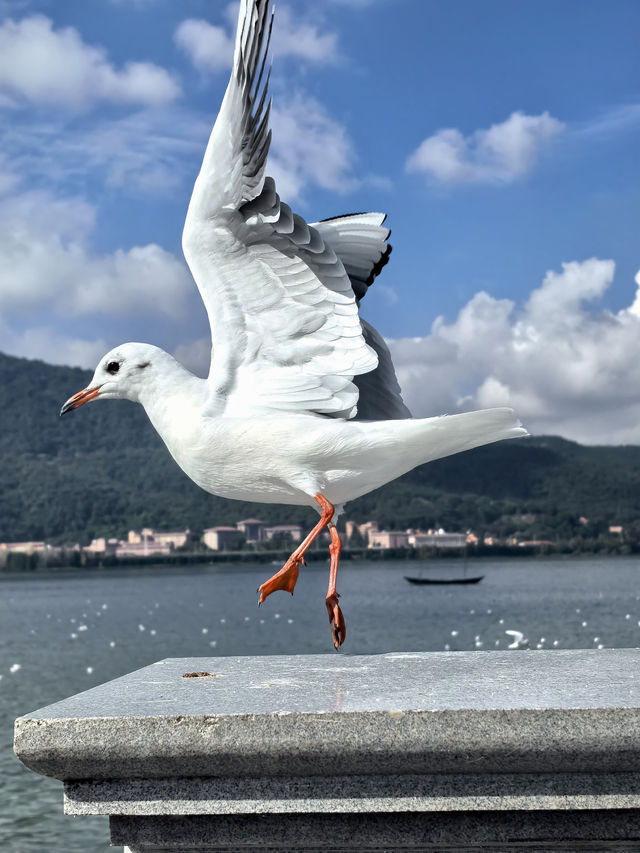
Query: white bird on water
x=301 y=405
x=519 y=640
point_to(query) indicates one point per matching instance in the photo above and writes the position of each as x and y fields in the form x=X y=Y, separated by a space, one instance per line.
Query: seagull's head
x=121 y=374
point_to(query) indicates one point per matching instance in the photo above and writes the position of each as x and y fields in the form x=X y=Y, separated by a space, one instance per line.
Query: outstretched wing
x=360 y=241
x=284 y=320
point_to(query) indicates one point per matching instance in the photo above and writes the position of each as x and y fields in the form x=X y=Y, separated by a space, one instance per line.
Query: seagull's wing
x=360 y=241
x=284 y=319
x=380 y=396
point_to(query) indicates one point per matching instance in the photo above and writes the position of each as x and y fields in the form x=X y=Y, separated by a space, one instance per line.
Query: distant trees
x=102 y=471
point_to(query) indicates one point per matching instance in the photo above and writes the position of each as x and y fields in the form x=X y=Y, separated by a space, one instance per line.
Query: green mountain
x=103 y=470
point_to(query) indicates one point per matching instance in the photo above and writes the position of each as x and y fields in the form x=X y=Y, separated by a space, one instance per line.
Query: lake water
x=66 y=632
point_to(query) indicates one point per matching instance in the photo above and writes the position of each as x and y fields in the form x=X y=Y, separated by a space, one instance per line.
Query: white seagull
x=301 y=405
x=519 y=641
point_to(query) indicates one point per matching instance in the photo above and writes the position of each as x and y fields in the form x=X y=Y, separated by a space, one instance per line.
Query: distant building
x=363 y=529
x=616 y=529
x=437 y=539
x=252 y=529
x=174 y=539
x=24 y=547
x=102 y=546
x=349 y=528
x=222 y=538
x=293 y=530
x=388 y=539
x=147 y=548
x=134 y=537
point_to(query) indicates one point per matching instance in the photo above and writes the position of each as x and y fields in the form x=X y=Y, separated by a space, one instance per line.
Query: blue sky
x=500 y=137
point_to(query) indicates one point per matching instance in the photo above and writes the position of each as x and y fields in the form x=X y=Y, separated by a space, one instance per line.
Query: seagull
x=301 y=405
x=519 y=640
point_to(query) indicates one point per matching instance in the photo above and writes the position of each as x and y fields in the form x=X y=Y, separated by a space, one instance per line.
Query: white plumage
x=302 y=404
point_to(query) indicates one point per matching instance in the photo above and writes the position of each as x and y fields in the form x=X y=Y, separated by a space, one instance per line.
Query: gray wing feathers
x=380 y=398
x=271 y=221
x=360 y=240
x=252 y=47
x=233 y=166
x=355 y=244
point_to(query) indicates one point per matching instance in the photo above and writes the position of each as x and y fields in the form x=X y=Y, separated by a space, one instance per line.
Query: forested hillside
x=103 y=470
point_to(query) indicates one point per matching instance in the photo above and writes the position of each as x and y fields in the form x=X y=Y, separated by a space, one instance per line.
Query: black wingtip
x=382 y=262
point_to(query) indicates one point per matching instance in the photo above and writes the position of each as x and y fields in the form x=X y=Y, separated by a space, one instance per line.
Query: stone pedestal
x=531 y=750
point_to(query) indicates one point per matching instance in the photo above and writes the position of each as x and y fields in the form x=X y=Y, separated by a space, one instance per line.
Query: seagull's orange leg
x=288 y=575
x=336 y=619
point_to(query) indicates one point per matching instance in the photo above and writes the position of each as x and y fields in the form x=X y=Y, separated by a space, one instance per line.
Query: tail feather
x=376 y=452
x=450 y=434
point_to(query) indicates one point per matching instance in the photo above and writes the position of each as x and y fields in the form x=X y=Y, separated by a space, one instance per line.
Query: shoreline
x=71 y=561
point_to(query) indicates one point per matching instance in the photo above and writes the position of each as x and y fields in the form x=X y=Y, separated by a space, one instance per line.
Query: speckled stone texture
x=395 y=833
x=461 y=751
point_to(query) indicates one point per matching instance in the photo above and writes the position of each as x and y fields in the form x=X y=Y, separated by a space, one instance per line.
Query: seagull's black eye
x=113 y=367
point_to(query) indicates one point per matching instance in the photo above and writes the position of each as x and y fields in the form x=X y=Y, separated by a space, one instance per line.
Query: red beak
x=79 y=399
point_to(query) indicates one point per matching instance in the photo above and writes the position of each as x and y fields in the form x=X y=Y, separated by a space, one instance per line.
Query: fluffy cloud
x=309 y=147
x=152 y=151
x=195 y=355
x=159 y=151
x=44 y=343
x=210 y=47
x=146 y=152
x=502 y=153
x=48 y=264
x=565 y=367
x=53 y=281
x=296 y=38
x=55 y=67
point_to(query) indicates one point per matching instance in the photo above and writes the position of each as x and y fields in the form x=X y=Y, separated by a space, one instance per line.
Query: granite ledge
x=355 y=794
x=460 y=831
x=419 y=713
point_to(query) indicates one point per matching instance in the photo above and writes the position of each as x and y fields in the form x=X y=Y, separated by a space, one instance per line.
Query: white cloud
x=159 y=151
x=55 y=67
x=48 y=264
x=565 y=367
x=297 y=38
x=44 y=343
x=309 y=147
x=53 y=280
x=502 y=153
x=195 y=355
x=210 y=47
x=615 y=121
x=148 y=152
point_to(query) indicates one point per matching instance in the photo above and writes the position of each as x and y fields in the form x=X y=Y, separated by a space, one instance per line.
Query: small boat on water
x=475 y=579
x=422 y=581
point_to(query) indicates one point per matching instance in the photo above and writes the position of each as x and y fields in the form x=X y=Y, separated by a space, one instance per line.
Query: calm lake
x=66 y=632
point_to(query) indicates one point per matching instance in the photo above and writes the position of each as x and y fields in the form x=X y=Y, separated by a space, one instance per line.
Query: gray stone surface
x=467 y=831
x=334 y=715
x=347 y=794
